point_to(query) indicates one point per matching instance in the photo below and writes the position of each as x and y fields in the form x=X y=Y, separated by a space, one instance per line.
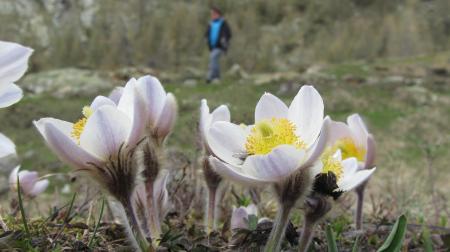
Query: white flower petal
x=275 y=166
x=306 y=111
x=359 y=129
x=133 y=105
x=116 y=94
x=101 y=101
x=7 y=147
x=13 y=61
x=167 y=118
x=10 y=94
x=38 y=187
x=268 y=107
x=221 y=113
x=57 y=135
x=338 y=131
x=13 y=177
x=105 y=132
x=154 y=96
x=234 y=173
x=227 y=141
x=205 y=119
x=252 y=209
x=321 y=142
x=357 y=179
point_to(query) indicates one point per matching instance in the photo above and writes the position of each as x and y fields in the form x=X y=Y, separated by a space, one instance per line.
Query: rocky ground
x=406 y=103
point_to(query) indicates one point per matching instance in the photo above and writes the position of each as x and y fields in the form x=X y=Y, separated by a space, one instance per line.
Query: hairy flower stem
x=359 y=205
x=153 y=221
x=134 y=225
x=280 y=224
x=316 y=207
x=307 y=235
x=211 y=209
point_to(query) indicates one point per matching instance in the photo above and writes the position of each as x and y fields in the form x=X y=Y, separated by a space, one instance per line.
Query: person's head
x=215 y=13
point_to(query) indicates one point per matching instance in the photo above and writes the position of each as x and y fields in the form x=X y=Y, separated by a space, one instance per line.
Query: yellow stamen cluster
x=349 y=149
x=331 y=164
x=268 y=134
x=78 y=127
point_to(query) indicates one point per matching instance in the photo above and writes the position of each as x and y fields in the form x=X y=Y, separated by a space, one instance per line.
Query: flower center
x=78 y=127
x=332 y=164
x=350 y=149
x=268 y=134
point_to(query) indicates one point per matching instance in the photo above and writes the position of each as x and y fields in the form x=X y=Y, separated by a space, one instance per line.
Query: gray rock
x=67 y=82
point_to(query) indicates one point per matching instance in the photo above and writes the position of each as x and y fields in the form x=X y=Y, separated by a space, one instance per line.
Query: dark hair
x=216 y=10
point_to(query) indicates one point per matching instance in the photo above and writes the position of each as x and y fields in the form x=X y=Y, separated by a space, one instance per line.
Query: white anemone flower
x=7 y=147
x=30 y=183
x=13 y=65
x=98 y=141
x=281 y=141
x=335 y=175
x=207 y=118
x=160 y=107
x=354 y=140
x=240 y=215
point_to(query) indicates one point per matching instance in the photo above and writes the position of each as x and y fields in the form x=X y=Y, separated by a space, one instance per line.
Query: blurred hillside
x=268 y=35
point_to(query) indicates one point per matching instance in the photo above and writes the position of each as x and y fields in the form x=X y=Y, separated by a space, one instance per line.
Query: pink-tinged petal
x=57 y=135
x=126 y=102
x=350 y=167
x=371 y=152
x=7 y=147
x=338 y=131
x=234 y=173
x=13 y=61
x=154 y=96
x=27 y=179
x=359 y=129
x=281 y=162
x=133 y=105
x=63 y=126
x=101 y=101
x=239 y=219
x=221 y=113
x=319 y=146
x=167 y=118
x=116 y=94
x=10 y=94
x=357 y=179
x=306 y=111
x=105 y=132
x=227 y=141
x=38 y=188
x=268 y=107
x=13 y=177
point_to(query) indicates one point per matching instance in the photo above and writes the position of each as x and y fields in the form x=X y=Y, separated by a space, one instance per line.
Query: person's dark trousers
x=214 y=66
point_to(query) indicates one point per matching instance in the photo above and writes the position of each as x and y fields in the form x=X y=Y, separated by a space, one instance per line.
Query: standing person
x=218 y=36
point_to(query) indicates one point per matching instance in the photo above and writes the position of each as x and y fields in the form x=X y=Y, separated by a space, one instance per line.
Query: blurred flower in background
x=30 y=182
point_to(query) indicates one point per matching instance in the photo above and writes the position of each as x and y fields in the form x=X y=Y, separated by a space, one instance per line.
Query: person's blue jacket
x=218 y=34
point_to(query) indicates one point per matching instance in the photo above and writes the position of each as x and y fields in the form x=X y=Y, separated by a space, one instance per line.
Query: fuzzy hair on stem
x=289 y=191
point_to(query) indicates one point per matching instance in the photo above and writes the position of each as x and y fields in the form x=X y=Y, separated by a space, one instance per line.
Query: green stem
x=307 y=234
x=277 y=234
x=135 y=229
x=211 y=210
